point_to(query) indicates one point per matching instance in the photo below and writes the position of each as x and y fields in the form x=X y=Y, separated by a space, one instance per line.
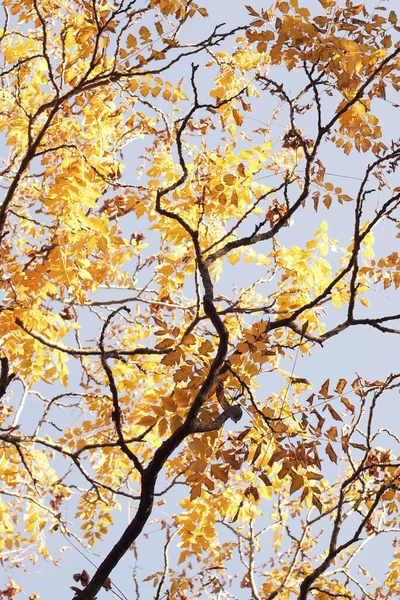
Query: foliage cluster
x=160 y=267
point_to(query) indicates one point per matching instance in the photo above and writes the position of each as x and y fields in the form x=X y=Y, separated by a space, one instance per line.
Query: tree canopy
x=170 y=185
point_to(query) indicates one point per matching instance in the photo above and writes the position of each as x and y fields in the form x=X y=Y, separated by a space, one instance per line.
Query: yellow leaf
x=131 y=42
x=297 y=482
x=365 y=302
x=167 y=343
x=332 y=434
x=235 y=257
x=229 y=179
x=336 y=300
x=220 y=472
x=324 y=226
x=155 y=91
x=331 y=453
x=85 y=275
x=146 y=420
x=144 y=89
x=283 y=7
x=324 y=249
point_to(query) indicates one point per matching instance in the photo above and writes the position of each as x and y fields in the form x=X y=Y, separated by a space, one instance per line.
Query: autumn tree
x=189 y=210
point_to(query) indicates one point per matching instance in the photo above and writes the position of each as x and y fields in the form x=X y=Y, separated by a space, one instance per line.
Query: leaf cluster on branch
x=164 y=263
